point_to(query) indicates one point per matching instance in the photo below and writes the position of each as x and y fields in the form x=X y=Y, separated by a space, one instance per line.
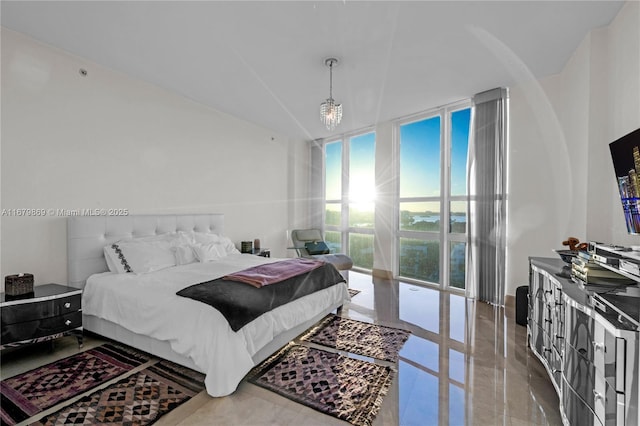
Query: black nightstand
x=50 y=312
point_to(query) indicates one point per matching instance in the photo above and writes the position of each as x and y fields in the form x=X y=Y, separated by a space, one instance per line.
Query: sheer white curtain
x=487 y=199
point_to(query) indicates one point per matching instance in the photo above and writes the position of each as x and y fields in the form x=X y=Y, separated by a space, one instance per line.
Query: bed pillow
x=112 y=256
x=209 y=252
x=205 y=238
x=228 y=245
x=111 y=262
x=187 y=237
x=116 y=262
x=142 y=256
x=150 y=256
x=184 y=254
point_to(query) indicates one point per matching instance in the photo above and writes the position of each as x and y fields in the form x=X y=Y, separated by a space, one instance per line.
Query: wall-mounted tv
x=625 y=153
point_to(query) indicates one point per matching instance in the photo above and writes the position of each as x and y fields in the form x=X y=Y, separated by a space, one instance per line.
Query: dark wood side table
x=50 y=312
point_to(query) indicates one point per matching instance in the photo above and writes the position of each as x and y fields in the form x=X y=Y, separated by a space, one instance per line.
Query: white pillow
x=112 y=259
x=186 y=237
x=184 y=255
x=142 y=256
x=204 y=238
x=116 y=262
x=115 y=259
x=209 y=252
x=228 y=245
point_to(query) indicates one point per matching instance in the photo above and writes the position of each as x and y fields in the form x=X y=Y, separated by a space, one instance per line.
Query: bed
x=143 y=310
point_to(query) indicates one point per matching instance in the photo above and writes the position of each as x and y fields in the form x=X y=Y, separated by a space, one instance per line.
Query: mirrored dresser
x=587 y=337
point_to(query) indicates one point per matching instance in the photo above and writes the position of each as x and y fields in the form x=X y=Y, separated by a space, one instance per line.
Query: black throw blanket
x=241 y=303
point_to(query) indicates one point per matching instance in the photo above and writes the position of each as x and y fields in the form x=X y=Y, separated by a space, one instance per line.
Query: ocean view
x=419 y=259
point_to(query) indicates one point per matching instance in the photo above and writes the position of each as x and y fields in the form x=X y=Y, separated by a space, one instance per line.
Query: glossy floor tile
x=466 y=363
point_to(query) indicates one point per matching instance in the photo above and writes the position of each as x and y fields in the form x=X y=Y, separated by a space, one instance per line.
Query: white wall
x=561 y=180
x=615 y=103
x=110 y=141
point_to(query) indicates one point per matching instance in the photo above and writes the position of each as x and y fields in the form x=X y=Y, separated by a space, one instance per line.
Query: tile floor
x=466 y=363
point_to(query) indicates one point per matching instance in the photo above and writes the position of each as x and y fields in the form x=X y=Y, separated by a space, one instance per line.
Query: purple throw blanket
x=270 y=273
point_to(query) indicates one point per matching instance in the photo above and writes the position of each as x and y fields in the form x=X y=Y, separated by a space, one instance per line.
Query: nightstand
x=50 y=312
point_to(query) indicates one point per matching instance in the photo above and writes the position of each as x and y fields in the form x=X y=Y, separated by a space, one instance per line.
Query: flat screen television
x=625 y=153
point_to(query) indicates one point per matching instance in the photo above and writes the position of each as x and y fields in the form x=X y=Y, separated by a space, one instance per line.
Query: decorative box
x=15 y=285
x=246 y=247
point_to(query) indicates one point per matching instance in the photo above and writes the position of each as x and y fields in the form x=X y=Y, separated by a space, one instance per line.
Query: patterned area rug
x=30 y=393
x=346 y=388
x=357 y=337
x=139 y=399
x=135 y=389
x=353 y=292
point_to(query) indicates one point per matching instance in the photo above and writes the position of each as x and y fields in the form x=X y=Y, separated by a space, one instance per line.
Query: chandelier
x=330 y=111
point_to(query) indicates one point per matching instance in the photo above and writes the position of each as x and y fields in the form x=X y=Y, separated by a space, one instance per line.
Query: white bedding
x=147 y=304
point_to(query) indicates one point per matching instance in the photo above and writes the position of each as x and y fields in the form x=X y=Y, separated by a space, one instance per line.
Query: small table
x=49 y=312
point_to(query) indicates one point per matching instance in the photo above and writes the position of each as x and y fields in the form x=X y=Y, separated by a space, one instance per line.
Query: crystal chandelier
x=330 y=111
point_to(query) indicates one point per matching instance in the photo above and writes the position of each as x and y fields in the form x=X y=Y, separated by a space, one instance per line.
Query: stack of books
x=586 y=271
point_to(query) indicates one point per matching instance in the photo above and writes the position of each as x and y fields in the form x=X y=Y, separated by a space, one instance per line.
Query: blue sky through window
x=459 y=147
x=420 y=158
x=333 y=171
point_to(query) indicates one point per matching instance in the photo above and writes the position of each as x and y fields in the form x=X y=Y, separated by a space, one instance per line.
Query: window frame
x=344 y=228
x=444 y=236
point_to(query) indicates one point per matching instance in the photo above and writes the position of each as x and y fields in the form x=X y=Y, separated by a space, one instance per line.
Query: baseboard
x=381 y=273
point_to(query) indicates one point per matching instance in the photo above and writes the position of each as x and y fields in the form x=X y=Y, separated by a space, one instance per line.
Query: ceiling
x=264 y=61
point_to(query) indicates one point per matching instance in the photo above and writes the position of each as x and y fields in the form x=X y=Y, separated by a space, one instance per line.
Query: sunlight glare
x=362 y=192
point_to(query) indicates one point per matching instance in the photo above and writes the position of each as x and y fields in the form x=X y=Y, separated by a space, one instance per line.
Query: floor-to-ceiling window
x=349 y=165
x=432 y=196
x=333 y=195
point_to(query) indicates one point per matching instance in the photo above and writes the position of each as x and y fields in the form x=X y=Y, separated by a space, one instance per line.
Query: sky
x=361 y=169
x=419 y=162
x=420 y=156
x=362 y=188
x=333 y=170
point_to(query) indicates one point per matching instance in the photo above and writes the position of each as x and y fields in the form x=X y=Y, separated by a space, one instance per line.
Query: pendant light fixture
x=330 y=111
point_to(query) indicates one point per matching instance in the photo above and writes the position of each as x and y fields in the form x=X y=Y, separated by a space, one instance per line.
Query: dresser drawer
x=39 y=328
x=575 y=408
x=25 y=312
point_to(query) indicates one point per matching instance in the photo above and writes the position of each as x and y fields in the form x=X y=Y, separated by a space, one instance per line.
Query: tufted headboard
x=87 y=236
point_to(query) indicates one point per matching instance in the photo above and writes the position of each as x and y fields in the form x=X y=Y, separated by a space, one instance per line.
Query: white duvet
x=147 y=304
